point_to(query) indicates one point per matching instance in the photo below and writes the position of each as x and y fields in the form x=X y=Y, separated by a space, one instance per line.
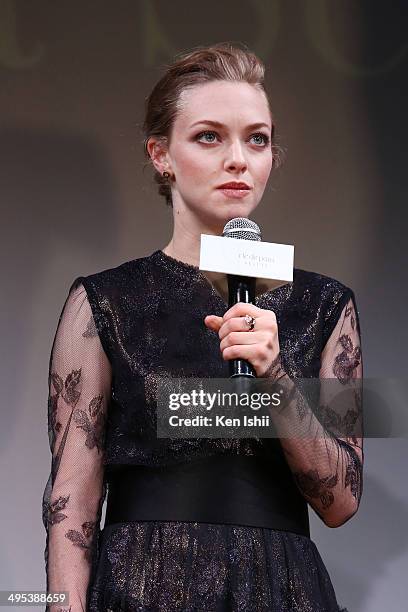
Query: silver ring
x=250 y=321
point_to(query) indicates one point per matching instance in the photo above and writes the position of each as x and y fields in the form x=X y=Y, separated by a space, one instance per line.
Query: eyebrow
x=253 y=126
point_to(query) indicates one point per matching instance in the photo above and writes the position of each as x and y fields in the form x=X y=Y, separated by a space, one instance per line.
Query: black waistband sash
x=230 y=489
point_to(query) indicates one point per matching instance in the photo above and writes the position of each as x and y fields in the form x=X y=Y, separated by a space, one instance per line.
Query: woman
x=174 y=539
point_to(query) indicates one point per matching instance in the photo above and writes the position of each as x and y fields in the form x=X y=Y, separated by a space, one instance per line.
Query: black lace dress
x=121 y=329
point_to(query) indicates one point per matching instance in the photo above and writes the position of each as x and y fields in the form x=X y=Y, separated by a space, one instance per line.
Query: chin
x=219 y=214
x=222 y=219
x=237 y=210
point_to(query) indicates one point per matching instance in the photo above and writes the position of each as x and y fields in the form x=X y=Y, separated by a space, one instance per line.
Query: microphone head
x=243 y=228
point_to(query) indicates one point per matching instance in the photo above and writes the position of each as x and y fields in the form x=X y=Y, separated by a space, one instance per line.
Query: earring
x=166 y=174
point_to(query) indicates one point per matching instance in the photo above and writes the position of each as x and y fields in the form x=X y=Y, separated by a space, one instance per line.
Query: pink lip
x=234 y=185
x=234 y=193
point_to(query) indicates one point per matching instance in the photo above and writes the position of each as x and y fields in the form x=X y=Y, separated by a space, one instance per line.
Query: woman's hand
x=260 y=346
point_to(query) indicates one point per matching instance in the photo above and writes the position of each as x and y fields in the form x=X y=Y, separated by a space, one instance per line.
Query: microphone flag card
x=270 y=263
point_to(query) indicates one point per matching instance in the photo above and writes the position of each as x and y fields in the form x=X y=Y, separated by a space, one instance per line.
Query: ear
x=158 y=151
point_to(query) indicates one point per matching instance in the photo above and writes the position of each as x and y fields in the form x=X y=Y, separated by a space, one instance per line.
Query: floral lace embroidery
x=54 y=514
x=315 y=487
x=94 y=430
x=83 y=540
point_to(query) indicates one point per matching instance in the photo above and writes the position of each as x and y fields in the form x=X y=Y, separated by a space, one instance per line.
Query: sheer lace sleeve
x=79 y=391
x=324 y=445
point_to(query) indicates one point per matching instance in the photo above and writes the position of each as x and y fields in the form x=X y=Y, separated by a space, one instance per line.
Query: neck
x=185 y=242
x=185 y=250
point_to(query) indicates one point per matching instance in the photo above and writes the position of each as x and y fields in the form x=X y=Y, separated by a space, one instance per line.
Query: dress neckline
x=178 y=264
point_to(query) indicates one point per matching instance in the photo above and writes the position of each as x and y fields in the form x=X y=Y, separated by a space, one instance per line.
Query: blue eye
x=205 y=134
x=264 y=138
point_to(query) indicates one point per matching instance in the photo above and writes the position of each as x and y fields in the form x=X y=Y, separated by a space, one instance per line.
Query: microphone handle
x=241 y=289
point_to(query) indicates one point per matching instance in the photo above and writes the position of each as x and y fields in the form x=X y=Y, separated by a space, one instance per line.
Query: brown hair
x=222 y=62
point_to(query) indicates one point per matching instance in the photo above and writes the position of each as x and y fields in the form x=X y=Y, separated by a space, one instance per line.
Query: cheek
x=264 y=169
x=191 y=168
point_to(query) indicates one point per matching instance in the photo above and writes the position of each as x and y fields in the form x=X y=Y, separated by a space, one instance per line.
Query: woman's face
x=221 y=134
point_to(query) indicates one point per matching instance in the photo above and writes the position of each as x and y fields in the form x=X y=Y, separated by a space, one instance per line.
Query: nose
x=235 y=159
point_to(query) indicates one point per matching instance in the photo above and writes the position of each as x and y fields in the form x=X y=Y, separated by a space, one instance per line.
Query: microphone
x=241 y=288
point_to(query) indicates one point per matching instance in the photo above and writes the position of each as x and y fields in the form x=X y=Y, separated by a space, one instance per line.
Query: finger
x=241 y=338
x=213 y=322
x=241 y=309
x=241 y=351
x=239 y=324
